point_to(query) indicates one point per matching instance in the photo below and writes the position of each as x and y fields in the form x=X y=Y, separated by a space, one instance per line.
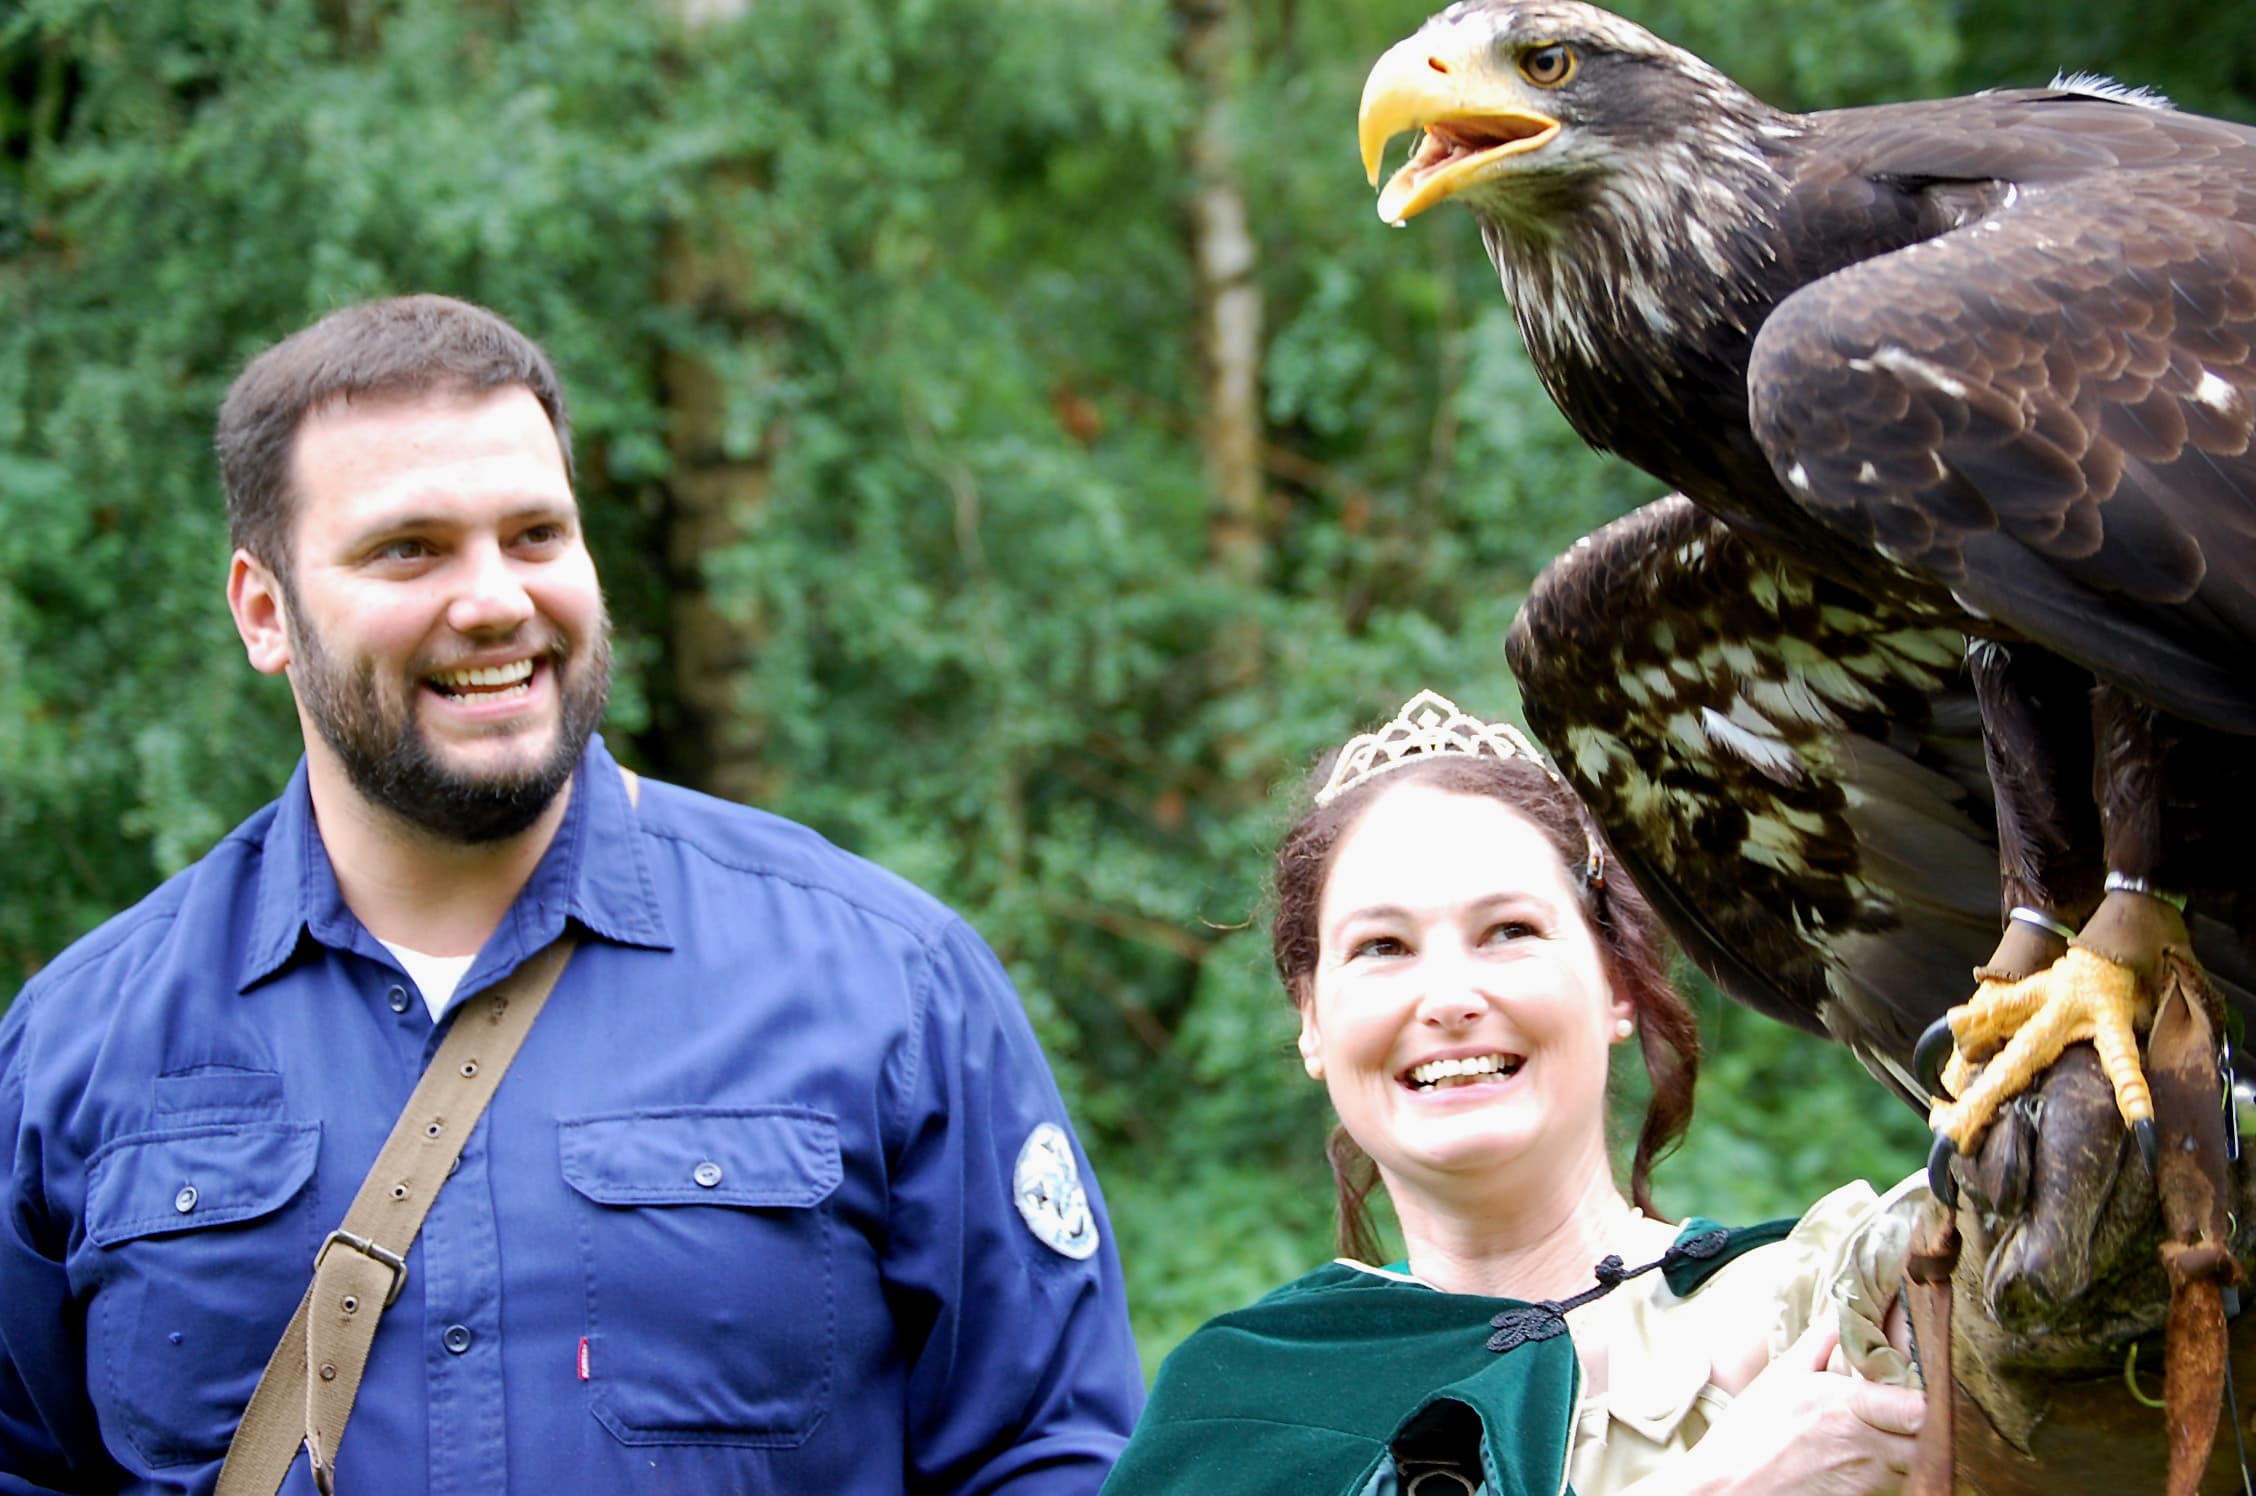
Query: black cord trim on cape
x=1517 y=1326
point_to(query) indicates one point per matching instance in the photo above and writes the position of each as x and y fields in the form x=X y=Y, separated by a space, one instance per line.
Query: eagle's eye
x=1549 y=65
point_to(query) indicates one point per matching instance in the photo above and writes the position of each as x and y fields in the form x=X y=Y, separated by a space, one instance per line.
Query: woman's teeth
x=1434 y=1074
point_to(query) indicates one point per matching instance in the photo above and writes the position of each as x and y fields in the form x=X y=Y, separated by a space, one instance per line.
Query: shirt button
x=185 y=1201
x=396 y=995
x=458 y=1338
x=707 y=1174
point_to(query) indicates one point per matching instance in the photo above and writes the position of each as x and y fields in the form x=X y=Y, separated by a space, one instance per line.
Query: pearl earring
x=1623 y=1028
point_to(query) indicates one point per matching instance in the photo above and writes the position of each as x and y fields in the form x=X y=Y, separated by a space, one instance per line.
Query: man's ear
x=254 y=597
x=1311 y=1044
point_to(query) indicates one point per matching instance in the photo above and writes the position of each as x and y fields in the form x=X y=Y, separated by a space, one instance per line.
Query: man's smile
x=484 y=682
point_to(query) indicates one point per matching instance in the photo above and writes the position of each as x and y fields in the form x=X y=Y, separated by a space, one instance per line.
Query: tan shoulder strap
x=306 y=1392
x=305 y=1395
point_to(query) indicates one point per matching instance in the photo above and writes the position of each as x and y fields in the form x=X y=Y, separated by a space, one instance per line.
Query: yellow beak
x=1422 y=83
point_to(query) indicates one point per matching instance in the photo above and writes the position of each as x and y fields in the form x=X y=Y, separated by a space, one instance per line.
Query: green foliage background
x=985 y=639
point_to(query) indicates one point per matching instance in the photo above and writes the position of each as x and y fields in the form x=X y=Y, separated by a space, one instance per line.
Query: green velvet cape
x=1313 y=1389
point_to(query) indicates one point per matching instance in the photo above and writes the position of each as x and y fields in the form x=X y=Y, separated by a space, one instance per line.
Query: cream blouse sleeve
x=1652 y=1361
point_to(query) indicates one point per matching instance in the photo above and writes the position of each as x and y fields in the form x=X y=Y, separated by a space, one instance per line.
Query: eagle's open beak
x=1424 y=84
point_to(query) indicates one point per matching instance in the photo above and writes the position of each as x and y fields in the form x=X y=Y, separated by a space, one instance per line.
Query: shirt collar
x=595 y=871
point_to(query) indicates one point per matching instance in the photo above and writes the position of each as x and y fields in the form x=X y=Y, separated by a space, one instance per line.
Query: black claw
x=1939 y=1176
x=2143 y=1132
x=1930 y=1053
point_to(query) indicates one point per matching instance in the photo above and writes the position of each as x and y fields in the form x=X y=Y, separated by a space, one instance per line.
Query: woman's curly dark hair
x=1629 y=941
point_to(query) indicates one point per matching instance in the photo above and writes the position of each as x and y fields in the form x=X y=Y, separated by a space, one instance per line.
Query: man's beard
x=391 y=762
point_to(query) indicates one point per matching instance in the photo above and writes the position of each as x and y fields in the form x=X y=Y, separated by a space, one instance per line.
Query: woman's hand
x=1801 y=1428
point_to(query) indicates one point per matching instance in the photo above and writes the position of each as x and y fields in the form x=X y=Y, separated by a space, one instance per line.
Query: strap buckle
x=369 y=1249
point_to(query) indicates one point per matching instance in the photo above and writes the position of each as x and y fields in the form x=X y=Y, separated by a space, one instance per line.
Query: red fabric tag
x=583 y=1358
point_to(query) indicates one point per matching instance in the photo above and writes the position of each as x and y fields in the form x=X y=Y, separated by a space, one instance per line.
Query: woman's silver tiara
x=1431 y=725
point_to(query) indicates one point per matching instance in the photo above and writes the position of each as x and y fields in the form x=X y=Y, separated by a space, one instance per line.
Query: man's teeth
x=1458 y=1072
x=518 y=674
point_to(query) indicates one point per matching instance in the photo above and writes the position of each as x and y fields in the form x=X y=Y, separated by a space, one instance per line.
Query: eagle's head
x=1604 y=164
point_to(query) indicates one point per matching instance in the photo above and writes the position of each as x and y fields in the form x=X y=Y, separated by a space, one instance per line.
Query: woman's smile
x=1460 y=1014
x=1454 y=1073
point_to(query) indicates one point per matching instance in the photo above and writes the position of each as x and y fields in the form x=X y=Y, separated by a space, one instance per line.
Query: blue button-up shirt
x=779 y=1195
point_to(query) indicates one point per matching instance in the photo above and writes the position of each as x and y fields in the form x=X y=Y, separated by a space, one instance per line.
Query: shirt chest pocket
x=708 y=1241
x=200 y=1243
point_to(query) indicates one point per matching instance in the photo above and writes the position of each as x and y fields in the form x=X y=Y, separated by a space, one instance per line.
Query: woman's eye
x=1377 y=945
x=1548 y=67
x=1511 y=929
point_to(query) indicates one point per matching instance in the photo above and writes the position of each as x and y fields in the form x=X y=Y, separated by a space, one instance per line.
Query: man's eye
x=404 y=550
x=540 y=535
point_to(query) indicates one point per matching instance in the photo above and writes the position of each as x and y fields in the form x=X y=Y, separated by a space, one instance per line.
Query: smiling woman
x=1464 y=959
x=1460 y=1012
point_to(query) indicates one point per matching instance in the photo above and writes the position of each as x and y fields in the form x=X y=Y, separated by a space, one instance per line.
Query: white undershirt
x=435 y=977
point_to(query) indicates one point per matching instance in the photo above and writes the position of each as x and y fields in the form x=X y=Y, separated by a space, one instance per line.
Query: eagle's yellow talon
x=2020 y=1028
x=1958 y=1072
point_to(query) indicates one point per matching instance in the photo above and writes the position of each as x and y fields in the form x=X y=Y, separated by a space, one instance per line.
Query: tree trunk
x=1229 y=313
x=712 y=733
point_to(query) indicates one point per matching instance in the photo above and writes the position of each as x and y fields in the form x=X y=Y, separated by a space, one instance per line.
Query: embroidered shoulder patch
x=1047 y=1186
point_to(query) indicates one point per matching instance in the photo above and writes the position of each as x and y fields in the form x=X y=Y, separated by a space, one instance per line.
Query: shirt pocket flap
x=188 y=1178
x=752 y=1156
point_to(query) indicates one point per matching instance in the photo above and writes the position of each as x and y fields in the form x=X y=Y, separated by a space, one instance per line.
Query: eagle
x=1943 y=655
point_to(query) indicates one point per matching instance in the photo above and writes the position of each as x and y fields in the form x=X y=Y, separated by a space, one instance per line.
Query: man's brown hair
x=403 y=346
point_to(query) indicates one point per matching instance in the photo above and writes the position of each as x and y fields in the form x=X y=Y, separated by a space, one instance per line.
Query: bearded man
x=778 y=1196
